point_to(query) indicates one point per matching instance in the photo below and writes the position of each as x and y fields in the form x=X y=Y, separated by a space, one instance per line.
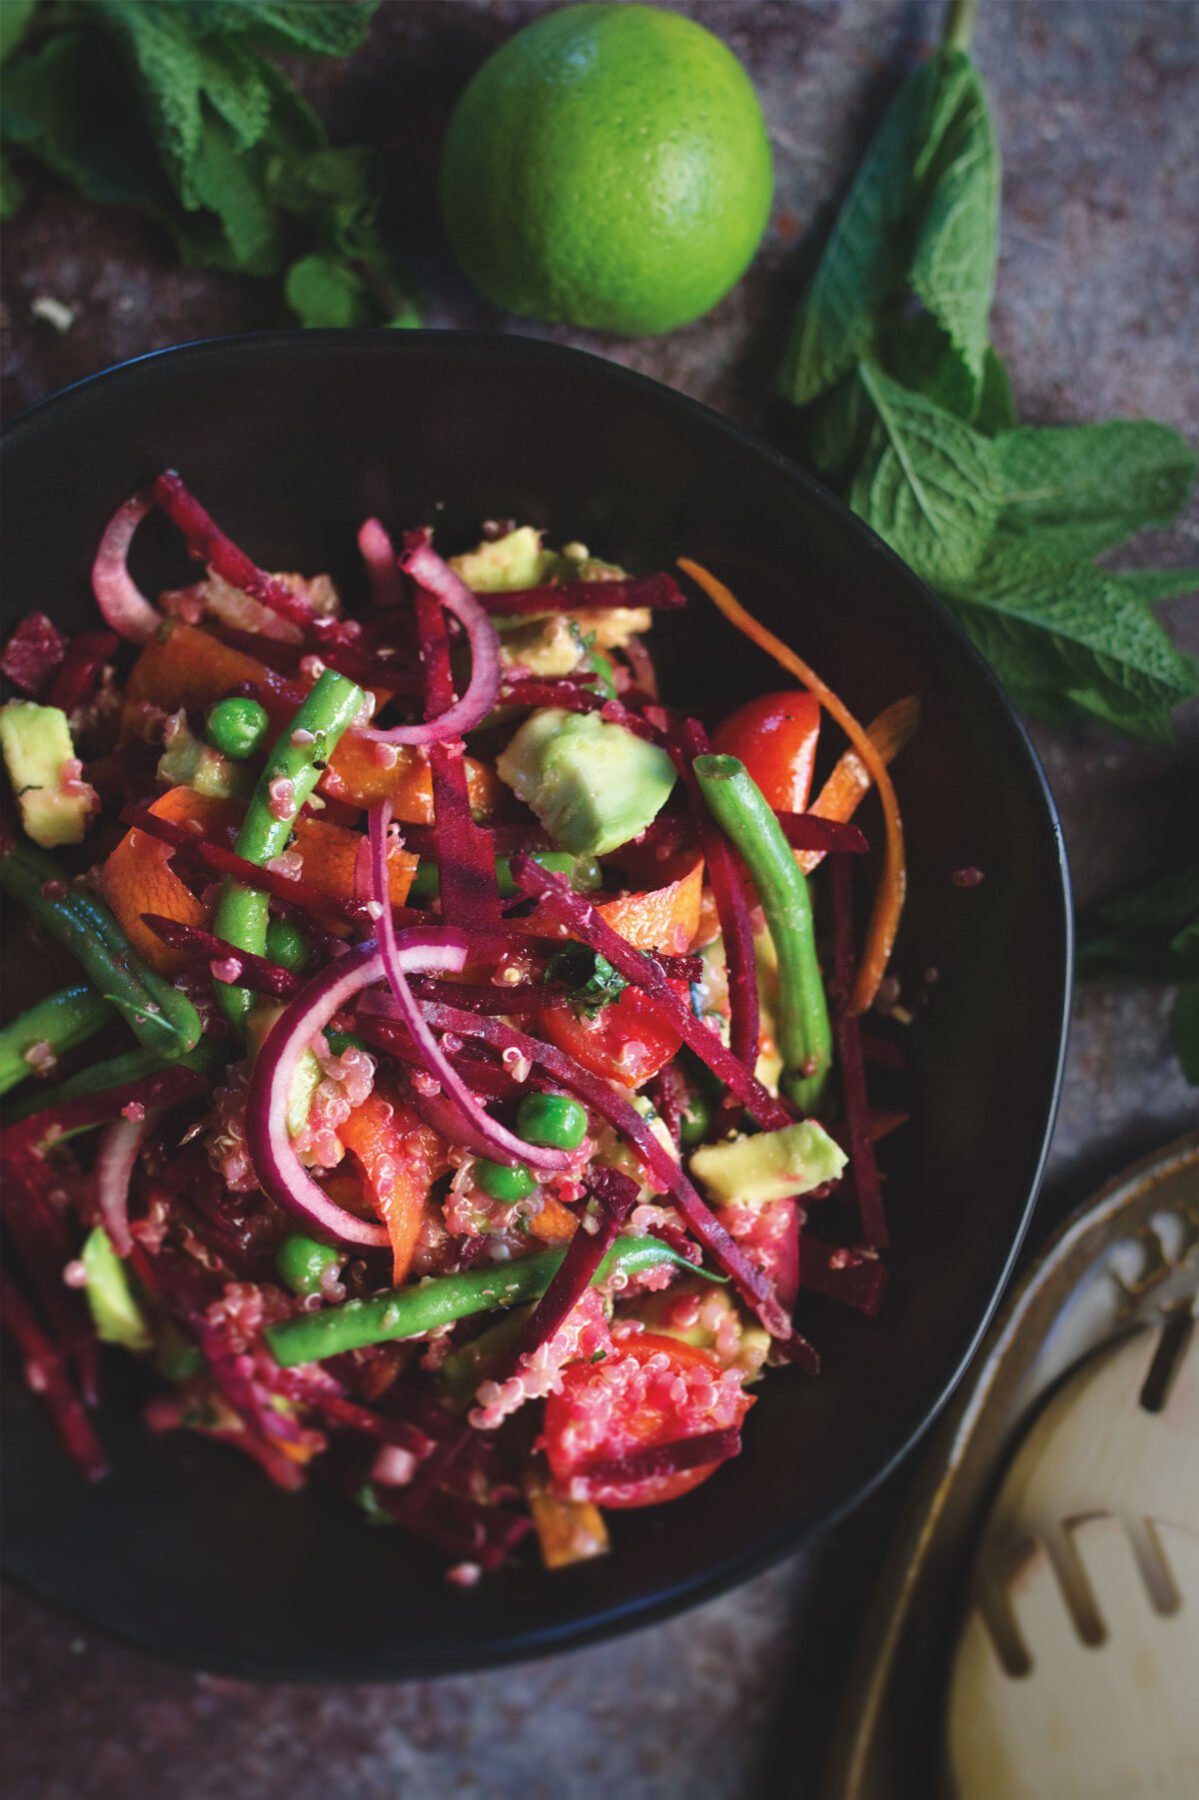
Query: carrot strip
x=888 y=900
x=850 y=780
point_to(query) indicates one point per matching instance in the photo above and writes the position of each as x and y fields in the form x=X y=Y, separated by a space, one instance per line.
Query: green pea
x=287 y=945
x=552 y=1119
x=504 y=1183
x=301 y=1261
x=237 y=726
x=696 y=1120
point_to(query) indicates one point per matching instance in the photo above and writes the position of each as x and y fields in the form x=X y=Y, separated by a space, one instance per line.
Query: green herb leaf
x=324 y=290
x=14 y=17
x=592 y=980
x=1069 y=638
x=953 y=264
x=318 y=27
x=996 y=407
x=1152 y=585
x=1082 y=488
x=928 y=485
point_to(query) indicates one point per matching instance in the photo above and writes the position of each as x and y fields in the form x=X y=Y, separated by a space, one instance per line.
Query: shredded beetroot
x=82 y=668
x=661 y=592
x=255 y=972
x=469 y=895
x=854 y=1277
x=45 y=1247
x=167 y=1088
x=33 y=652
x=849 y=1056
x=732 y=908
x=582 y=919
x=210 y=545
x=699 y=1452
x=46 y=1376
x=522 y=997
x=572 y=697
x=808 y=831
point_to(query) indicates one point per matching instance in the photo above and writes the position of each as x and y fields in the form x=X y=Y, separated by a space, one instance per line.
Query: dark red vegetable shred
x=32 y=653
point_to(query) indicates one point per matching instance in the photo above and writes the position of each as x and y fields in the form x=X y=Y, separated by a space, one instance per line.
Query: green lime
x=607 y=167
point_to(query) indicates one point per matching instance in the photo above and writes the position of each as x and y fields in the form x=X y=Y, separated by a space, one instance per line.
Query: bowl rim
x=739 y=1564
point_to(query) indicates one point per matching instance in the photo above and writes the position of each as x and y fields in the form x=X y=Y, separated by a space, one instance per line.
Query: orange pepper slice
x=400 y=1158
x=138 y=878
x=889 y=898
x=665 y=918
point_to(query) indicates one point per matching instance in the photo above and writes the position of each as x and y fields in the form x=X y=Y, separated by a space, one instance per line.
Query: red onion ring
x=122 y=602
x=437 y=578
x=280 y=1171
x=378 y=553
x=477 y=1125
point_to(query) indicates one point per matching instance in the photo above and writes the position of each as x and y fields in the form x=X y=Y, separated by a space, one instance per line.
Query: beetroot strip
x=617 y=1196
x=808 y=831
x=849 y=1276
x=853 y=1072
x=662 y=593
x=256 y=972
x=81 y=669
x=469 y=893
x=210 y=544
x=45 y=1247
x=46 y=1376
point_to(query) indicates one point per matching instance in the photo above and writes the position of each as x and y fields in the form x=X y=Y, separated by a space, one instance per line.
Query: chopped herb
x=592 y=980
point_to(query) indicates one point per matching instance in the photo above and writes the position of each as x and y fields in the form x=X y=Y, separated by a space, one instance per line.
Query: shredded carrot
x=850 y=780
x=888 y=901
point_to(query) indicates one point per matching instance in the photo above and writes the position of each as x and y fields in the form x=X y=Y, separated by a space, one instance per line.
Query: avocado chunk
x=592 y=785
x=188 y=762
x=506 y=564
x=751 y=1171
x=115 y=1312
x=45 y=773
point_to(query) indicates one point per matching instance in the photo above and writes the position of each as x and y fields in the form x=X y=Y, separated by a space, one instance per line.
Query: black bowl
x=291 y=440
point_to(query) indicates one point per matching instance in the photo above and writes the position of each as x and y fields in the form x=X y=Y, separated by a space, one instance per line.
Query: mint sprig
x=907 y=409
x=176 y=108
x=1151 y=933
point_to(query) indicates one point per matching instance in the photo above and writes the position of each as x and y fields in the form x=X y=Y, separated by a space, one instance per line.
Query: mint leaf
x=324 y=291
x=592 y=980
x=863 y=264
x=1151 y=585
x=953 y=265
x=996 y=407
x=1069 y=638
x=1184 y=1028
x=927 y=486
x=1168 y=900
x=318 y=27
x=12 y=189
x=1082 y=488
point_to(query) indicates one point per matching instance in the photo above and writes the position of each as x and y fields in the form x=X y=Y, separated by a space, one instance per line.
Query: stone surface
x=1097 y=107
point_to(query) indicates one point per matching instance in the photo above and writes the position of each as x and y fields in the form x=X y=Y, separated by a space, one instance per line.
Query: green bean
x=161 y=1018
x=116 y=1071
x=804 y=1034
x=410 y=1311
x=61 y=1021
x=293 y=768
x=584 y=872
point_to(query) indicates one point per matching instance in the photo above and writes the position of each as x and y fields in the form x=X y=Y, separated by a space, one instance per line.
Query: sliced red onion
x=503 y=1145
x=280 y=1172
x=426 y=568
x=116 y=1159
x=642 y=664
x=122 y=602
x=808 y=831
x=378 y=553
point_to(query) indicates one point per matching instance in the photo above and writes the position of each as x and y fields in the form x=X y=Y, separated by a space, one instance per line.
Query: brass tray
x=1129 y=1258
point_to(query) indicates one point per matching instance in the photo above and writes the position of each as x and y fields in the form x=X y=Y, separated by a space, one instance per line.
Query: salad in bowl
x=466 y=1075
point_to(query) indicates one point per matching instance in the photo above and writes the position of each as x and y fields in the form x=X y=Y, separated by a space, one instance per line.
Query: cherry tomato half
x=775 y=737
x=627 y=1041
x=649 y=1390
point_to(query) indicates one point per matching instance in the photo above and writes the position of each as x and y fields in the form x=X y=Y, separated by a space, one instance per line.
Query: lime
x=607 y=167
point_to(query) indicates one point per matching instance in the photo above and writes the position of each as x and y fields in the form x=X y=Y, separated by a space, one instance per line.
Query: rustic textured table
x=1097 y=103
